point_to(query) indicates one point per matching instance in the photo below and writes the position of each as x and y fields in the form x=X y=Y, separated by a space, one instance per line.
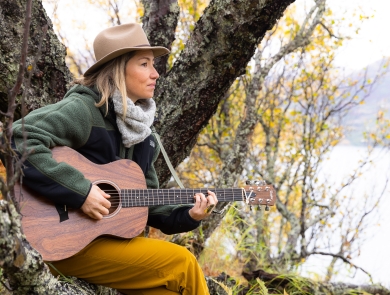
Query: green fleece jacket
x=77 y=123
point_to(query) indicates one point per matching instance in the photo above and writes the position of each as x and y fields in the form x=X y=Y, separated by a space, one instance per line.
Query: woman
x=106 y=116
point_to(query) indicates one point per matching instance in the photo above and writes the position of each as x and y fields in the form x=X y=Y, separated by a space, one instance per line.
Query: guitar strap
x=173 y=172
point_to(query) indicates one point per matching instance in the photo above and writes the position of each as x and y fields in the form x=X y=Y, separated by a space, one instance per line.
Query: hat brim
x=157 y=51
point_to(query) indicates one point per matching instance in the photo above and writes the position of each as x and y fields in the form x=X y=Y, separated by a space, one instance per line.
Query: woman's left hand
x=203 y=205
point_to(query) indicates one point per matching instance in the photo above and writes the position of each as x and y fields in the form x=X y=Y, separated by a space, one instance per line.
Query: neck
x=149 y=197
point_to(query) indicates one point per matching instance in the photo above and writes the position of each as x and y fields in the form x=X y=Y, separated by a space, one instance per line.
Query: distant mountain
x=362 y=118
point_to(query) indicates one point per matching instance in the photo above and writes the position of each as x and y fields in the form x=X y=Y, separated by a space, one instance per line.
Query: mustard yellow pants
x=140 y=266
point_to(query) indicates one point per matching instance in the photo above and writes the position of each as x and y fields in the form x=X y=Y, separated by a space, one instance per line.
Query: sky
x=372 y=42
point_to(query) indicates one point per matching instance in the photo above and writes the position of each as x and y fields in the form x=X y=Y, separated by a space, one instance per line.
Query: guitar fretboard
x=149 y=197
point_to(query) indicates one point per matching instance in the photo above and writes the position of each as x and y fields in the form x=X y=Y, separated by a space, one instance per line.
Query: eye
x=145 y=64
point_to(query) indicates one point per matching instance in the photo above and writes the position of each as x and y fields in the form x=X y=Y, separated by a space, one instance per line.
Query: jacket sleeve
x=169 y=219
x=65 y=123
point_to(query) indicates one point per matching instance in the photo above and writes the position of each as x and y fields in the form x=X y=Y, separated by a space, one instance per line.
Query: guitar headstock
x=259 y=193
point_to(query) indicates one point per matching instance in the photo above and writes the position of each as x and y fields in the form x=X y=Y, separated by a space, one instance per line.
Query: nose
x=154 y=74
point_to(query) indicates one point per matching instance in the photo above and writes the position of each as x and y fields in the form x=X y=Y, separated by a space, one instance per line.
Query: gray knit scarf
x=139 y=117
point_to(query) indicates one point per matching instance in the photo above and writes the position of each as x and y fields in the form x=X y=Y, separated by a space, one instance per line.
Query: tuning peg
x=267 y=205
x=248 y=182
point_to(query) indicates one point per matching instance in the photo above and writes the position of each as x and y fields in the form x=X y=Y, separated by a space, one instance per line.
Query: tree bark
x=159 y=23
x=51 y=76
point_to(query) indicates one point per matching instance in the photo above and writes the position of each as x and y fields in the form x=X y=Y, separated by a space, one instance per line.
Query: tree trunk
x=49 y=81
x=159 y=23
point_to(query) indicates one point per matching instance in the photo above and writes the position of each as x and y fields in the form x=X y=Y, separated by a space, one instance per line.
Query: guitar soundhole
x=114 y=199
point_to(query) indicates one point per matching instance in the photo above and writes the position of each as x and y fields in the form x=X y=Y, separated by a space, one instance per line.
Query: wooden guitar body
x=124 y=181
x=57 y=240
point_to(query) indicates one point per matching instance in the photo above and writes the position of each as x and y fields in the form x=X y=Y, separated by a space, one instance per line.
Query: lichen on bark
x=50 y=75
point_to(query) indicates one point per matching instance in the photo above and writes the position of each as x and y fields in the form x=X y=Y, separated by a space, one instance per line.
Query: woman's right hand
x=96 y=205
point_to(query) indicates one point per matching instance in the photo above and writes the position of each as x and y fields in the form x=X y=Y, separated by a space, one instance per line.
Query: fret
x=157 y=199
x=130 y=192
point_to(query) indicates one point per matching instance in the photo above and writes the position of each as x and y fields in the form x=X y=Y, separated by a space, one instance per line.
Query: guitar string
x=154 y=200
x=158 y=194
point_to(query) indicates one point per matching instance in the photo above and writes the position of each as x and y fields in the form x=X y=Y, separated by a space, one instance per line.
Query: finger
x=197 y=200
x=106 y=203
x=104 y=194
x=104 y=211
x=212 y=198
x=203 y=200
x=95 y=215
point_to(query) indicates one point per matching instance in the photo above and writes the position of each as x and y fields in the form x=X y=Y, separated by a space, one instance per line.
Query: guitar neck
x=150 y=197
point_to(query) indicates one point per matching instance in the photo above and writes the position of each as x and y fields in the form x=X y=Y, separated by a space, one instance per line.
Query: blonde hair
x=108 y=79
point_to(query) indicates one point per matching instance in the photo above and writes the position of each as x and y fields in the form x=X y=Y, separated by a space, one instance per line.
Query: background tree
x=279 y=122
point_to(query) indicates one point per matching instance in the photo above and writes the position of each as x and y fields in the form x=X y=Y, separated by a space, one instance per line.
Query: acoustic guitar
x=125 y=182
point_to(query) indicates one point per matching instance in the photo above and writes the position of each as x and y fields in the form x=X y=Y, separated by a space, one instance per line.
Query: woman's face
x=141 y=75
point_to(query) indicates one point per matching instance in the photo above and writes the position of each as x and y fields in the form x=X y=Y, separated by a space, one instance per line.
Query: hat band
x=143 y=45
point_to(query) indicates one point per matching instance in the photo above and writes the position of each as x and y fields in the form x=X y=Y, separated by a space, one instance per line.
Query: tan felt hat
x=118 y=40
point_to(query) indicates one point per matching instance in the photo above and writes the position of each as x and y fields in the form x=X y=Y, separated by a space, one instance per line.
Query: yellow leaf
x=29 y=68
x=284 y=292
